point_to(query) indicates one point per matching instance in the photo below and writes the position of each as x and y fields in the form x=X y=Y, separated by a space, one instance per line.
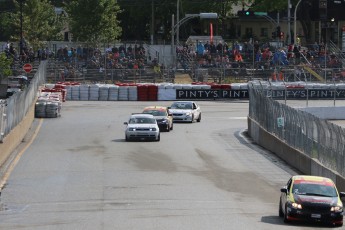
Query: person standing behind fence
x=213 y=49
x=200 y=49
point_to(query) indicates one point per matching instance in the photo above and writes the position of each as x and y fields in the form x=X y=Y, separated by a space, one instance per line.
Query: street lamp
x=175 y=27
x=289 y=25
x=295 y=23
x=21 y=27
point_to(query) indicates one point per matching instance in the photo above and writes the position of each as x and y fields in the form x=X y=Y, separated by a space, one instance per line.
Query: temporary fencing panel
x=113 y=92
x=19 y=103
x=152 y=92
x=84 y=92
x=132 y=93
x=103 y=92
x=143 y=93
x=123 y=92
x=94 y=92
x=75 y=92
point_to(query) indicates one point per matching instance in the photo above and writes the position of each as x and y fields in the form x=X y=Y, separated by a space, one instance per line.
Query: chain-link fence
x=315 y=137
x=14 y=108
x=2 y=118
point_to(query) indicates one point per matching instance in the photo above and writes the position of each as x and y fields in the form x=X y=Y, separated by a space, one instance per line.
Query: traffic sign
x=27 y=67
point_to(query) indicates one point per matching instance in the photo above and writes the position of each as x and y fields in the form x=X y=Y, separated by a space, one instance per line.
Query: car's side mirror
x=125 y=123
x=283 y=189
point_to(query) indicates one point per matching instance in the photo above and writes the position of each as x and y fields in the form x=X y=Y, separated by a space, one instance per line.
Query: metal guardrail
x=315 y=137
x=14 y=108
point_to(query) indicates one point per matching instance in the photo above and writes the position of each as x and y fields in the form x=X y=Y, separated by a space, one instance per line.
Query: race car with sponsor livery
x=185 y=111
x=162 y=115
x=311 y=198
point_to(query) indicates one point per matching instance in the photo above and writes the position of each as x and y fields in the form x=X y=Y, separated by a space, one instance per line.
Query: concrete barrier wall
x=327 y=113
x=15 y=137
x=291 y=156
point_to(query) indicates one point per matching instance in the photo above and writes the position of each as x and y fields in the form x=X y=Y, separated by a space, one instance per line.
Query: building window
x=238 y=31
x=264 y=32
x=249 y=31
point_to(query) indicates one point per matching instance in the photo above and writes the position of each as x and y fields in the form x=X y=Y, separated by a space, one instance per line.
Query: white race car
x=185 y=111
x=142 y=127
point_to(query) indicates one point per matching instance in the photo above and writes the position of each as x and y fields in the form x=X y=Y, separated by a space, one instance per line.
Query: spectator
x=207 y=46
x=213 y=49
x=200 y=49
x=219 y=48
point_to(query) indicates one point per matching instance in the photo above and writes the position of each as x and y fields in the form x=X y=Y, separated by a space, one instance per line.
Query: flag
x=211 y=32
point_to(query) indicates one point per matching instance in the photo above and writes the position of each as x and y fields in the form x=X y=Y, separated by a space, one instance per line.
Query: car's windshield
x=179 y=105
x=155 y=112
x=142 y=120
x=314 y=189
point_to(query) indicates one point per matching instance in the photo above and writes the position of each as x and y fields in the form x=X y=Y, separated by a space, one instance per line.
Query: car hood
x=180 y=110
x=304 y=199
x=141 y=126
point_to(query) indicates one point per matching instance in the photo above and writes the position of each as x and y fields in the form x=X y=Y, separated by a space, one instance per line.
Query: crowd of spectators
x=121 y=57
x=112 y=58
x=244 y=55
x=208 y=54
x=25 y=53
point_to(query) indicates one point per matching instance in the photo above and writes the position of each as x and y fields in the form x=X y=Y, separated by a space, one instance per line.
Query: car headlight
x=337 y=209
x=296 y=206
x=164 y=121
x=153 y=129
x=131 y=129
x=188 y=113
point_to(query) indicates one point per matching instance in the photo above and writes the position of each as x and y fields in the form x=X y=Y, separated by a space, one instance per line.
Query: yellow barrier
x=313 y=73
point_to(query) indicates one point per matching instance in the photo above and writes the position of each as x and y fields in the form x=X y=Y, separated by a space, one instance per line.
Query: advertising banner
x=210 y=94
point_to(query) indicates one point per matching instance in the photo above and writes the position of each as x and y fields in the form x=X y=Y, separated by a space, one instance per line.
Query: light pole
x=21 y=27
x=152 y=21
x=289 y=25
x=177 y=20
x=295 y=23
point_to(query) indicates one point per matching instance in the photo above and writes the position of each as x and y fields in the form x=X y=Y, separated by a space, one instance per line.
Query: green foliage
x=271 y=6
x=93 y=21
x=5 y=65
x=5 y=26
x=40 y=22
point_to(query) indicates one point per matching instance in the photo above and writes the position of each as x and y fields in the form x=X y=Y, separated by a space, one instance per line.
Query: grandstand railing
x=86 y=75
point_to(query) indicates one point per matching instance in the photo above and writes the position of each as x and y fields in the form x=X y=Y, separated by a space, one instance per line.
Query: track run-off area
x=78 y=172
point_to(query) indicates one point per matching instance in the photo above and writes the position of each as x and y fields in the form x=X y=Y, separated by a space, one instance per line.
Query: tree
x=5 y=66
x=93 y=21
x=40 y=22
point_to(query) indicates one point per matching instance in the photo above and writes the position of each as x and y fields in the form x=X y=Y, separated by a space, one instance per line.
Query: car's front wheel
x=199 y=118
x=286 y=220
x=281 y=213
x=159 y=137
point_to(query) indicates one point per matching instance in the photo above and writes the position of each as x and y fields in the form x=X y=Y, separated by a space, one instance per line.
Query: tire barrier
x=48 y=104
x=196 y=90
